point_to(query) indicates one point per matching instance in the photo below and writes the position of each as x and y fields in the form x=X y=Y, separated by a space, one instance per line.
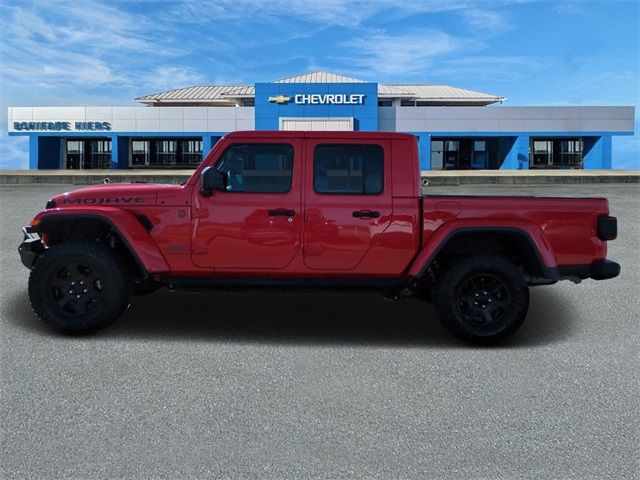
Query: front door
x=347 y=201
x=256 y=222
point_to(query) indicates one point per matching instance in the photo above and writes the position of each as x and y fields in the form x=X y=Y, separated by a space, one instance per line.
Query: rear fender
x=131 y=232
x=527 y=231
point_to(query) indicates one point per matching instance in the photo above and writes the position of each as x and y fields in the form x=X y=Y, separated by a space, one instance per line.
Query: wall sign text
x=329 y=99
x=62 y=126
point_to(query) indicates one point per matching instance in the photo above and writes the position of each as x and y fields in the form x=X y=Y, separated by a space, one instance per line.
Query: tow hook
x=31 y=247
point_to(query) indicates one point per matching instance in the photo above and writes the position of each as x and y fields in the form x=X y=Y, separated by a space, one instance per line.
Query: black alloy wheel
x=79 y=287
x=481 y=299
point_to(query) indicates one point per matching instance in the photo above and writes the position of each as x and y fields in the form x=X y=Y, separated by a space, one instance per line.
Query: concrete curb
x=439 y=178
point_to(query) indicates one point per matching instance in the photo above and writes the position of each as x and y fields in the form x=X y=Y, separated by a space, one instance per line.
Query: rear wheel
x=482 y=299
x=79 y=287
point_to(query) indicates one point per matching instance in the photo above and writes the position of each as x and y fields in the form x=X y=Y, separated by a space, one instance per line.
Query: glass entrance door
x=166 y=152
x=464 y=153
x=74 y=154
x=86 y=154
x=556 y=153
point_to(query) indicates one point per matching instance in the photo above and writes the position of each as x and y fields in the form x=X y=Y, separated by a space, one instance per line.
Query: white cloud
x=168 y=77
x=378 y=54
x=487 y=20
x=14 y=152
x=569 y=8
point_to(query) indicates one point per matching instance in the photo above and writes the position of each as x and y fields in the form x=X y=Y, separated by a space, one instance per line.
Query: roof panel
x=319 y=77
x=225 y=94
x=444 y=92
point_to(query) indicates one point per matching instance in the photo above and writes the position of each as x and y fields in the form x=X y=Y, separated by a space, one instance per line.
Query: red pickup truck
x=311 y=211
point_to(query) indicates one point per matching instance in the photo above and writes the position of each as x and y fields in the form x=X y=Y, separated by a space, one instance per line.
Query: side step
x=286 y=285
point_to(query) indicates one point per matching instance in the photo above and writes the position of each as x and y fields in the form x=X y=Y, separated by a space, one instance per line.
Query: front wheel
x=79 y=287
x=482 y=299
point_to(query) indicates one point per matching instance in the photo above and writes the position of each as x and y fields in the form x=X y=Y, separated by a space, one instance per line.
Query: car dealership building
x=457 y=129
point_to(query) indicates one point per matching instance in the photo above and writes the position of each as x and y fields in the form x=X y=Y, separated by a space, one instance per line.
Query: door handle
x=280 y=212
x=366 y=214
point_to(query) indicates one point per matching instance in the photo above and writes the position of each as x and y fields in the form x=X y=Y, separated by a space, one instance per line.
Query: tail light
x=607 y=227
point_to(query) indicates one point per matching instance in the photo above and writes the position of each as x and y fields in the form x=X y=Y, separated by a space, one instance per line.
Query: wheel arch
x=526 y=243
x=132 y=234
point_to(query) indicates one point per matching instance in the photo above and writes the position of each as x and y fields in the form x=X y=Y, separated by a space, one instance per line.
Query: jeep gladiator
x=311 y=211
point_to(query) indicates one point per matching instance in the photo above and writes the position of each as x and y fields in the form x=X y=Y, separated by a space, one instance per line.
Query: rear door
x=348 y=201
x=256 y=223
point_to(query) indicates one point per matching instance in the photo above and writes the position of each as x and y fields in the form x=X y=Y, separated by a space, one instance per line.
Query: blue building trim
x=46 y=148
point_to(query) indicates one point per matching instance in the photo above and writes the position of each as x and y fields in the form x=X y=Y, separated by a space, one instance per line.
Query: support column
x=119 y=152
x=33 y=152
x=518 y=157
x=48 y=153
x=597 y=153
x=424 y=149
x=206 y=145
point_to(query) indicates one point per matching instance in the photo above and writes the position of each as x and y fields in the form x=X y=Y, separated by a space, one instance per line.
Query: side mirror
x=211 y=179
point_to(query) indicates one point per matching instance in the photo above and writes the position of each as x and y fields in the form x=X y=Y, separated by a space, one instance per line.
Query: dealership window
x=348 y=169
x=166 y=152
x=257 y=168
x=99 y=154
x=451 y=154
x=85 y=154
x=570 y=152
x=385 y=103
x=479 y=157
x=191 y=152
x=464 y=153
x=140 y=153
x=437 y=154
x=542 y=152
x=556 y=153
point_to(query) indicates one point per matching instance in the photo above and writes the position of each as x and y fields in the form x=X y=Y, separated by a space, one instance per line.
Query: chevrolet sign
x=318 y=99
x=330 y=99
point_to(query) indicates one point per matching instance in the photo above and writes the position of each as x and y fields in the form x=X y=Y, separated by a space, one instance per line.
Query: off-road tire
x=481 y=299
x=79 y=288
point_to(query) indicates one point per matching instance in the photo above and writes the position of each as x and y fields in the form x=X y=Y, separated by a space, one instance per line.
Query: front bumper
x=598 y=270
x=31 y=247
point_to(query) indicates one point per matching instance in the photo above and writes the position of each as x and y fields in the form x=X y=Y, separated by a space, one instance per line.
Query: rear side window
x=257 y=168
x=348 y=169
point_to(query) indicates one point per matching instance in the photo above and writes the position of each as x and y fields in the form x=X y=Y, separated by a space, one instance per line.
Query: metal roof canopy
x=226 y=95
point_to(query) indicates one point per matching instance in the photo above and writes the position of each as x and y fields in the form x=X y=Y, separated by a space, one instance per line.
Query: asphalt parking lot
x=324 y=386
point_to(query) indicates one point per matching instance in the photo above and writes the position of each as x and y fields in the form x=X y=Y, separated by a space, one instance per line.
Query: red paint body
x=231 y=234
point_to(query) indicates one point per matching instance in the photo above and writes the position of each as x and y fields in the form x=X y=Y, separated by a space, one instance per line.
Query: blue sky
x=106 y=53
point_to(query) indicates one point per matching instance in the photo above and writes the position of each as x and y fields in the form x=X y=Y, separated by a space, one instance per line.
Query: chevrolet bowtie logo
x=279 y=99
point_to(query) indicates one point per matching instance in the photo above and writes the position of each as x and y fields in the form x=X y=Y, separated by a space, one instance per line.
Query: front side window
x=257 y=168
x=348 y=169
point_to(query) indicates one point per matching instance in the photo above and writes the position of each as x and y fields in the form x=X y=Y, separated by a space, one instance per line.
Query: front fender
x=124 y=224
x=530 y=231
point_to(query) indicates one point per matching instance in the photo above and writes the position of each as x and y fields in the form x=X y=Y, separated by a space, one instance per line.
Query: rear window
x=348 y=169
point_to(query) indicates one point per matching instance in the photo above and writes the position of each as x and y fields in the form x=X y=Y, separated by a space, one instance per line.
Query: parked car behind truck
x=311 y=210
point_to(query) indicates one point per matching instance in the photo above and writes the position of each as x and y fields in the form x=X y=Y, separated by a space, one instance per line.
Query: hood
x=111 y=194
